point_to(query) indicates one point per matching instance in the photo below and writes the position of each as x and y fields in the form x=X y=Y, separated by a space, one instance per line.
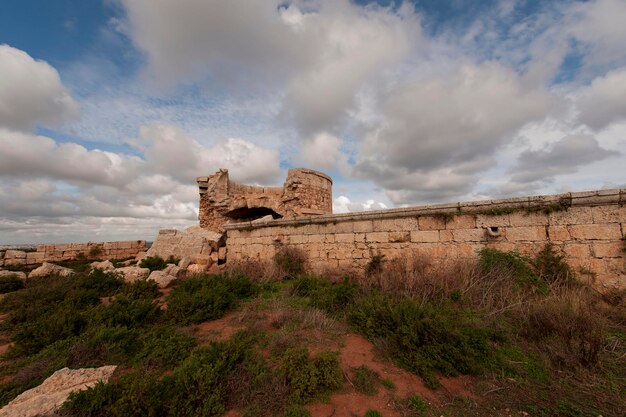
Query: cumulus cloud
x=168 y=150
x=27 y=155
x=604 y=101
x=343 y=204
x=322 y=152
x=563 y=157
x=31 y=92
x=438 y=132
x=318 y=54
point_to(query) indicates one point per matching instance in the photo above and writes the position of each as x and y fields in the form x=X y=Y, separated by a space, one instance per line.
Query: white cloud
x=439 y=132
x=322 y=152
x=31 y=92
x=170 y=151
x=604 y=101
x=27 y=155
x=343 y=204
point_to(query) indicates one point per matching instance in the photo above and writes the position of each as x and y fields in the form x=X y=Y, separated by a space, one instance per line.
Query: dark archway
x=246 y=214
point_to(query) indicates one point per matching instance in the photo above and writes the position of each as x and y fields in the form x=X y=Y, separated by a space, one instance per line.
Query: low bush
x=194 y=388
x=326 y=295
x=309 y=378
x=373 y=413
x=552 y=268
x=142 y=289
x=416 y=404
x=493 y=260
x=202 y=298
x=365 y=380
x=10 y=283
x=297 y=411
x=153 y=263
x=164 y=348
x=425 y=338
x=290 y=261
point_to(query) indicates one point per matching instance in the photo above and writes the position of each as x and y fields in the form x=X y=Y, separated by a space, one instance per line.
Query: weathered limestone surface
x=194 y=243
x=52 y=393
x=162 y=278
x=304 y=193
x=104 y=265
x=19 y=274
x=588 y=228
x=71 y=251
x=47 y=269
x=133 y=273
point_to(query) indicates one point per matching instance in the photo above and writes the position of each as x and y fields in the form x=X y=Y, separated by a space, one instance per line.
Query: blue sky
x=109 y=109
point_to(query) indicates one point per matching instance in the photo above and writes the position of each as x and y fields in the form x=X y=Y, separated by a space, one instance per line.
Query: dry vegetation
x=502 y=336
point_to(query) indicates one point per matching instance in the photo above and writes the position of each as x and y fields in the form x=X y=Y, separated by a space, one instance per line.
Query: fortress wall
x=71 y=251
x=588 y=228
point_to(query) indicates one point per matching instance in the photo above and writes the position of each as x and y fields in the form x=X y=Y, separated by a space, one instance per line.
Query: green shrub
x=154 y=263
x=425 y=338
x=388 y=383
x=164 y=348
x=308 y=378
x=552 y=268
x=10 y=283
x=365 y=380
x=195 y=388
x=323 y=294
x=142 y=289
x=125 y=312
x=95 y=252
x=417 y=404
x=373 y=413
x=297 y=411
x=100 y=346
x=290 y=260
x=202 y=298
x=172 y=260
x=514 y=263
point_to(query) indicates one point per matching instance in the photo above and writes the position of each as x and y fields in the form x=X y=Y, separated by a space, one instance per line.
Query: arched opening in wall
x=246 y=214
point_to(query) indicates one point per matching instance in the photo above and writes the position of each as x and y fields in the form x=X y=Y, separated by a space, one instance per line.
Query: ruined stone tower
x=305 y=193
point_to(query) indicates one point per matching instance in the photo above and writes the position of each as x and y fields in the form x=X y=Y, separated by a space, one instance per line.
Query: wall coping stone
x=579 y=199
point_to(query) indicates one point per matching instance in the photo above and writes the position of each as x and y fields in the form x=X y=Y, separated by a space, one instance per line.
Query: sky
x=109 y=109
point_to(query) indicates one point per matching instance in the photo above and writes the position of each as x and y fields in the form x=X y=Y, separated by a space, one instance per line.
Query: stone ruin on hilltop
x=304 y=193
x=224 y=202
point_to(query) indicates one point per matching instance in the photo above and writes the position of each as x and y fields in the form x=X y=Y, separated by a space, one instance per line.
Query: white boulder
x=47 y=269
x=133 y=273
x=52 y=393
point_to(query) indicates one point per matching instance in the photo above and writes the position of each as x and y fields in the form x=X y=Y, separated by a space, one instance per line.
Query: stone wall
x=587 y=227
x=304 y=193
x=71 y=251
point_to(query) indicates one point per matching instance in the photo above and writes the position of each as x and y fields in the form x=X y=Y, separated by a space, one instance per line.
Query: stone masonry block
x=446 y=236
x=419 y=236
x=468 y=235
x=526 y=233
x=521 y=218
x=609 y=249
x=344 y=237
x=575 y=215
x=577 y=250
x=486 y=220
x=400 y=236
x=344 y=227
x=610 y=231
x=431 y=223
x=380 y=237
x=558 y=233
x=363 y=226
x=397 y=224
x=608 y=214
x=462 y=221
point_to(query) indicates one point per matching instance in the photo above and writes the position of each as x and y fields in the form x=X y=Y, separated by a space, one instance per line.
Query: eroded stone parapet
x=304 y=193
